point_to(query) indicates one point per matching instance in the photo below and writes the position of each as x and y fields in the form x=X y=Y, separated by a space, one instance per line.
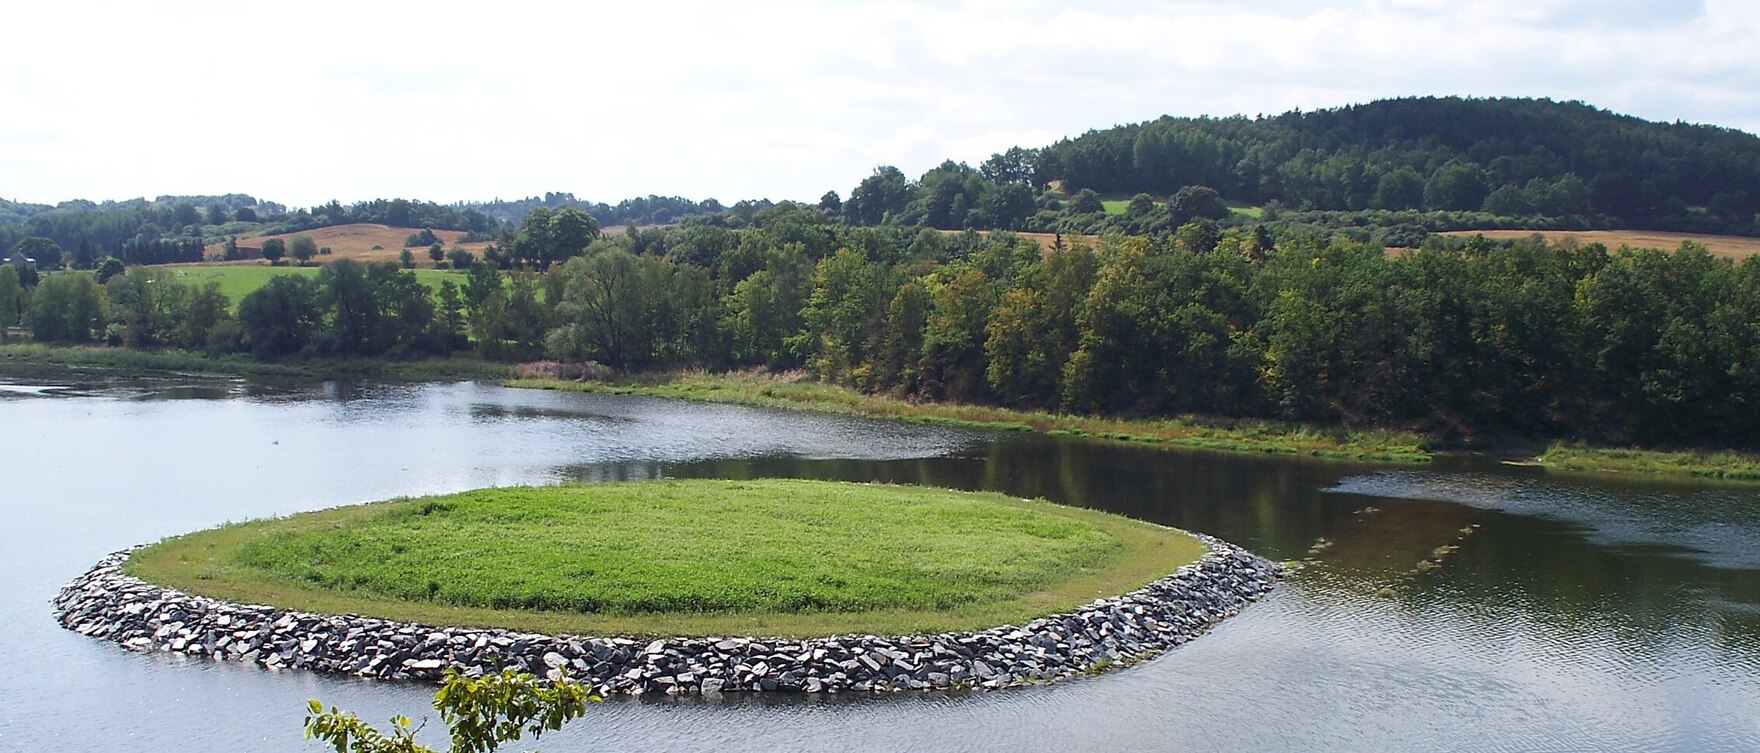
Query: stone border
x=106 y=603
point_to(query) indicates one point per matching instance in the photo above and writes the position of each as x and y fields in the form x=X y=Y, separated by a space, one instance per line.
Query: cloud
x=778 y=98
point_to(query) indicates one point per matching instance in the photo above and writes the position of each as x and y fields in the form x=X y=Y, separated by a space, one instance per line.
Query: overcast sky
x=445 y=101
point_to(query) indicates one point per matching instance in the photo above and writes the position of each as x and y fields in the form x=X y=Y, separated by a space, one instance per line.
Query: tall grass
x=129 y=359
x=136 y=360
x=1723 y=464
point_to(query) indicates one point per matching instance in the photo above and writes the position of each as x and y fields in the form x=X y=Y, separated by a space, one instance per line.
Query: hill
x=1502 y=157
x=361 y=241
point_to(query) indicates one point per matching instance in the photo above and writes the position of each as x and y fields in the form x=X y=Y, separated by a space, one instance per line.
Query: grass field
x=774 y=557
x=1732 y=246
x=238 y=279
x=356 y=242
x=134 y=361
x=795 y=391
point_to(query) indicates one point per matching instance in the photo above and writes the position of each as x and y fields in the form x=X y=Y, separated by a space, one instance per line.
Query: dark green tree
x=67 y=307
x=552 y=236
x=302 y=248
x=350 y=311
x=1194 y=203
x=280 y=318
x=12 y=296
x=109 y=267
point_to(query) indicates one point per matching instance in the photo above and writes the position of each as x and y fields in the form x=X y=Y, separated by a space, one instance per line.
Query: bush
x=481 y=713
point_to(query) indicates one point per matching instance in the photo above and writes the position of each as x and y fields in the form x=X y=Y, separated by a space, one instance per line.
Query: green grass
x=774 y=557
x=792 y=390
x=130 y=360
x=1726 y=465
x=238 y=280
x=1117 y=206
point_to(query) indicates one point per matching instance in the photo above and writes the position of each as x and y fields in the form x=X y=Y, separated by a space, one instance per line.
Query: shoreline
x=746 y=388
x=1109 y=633
x=1241 y=436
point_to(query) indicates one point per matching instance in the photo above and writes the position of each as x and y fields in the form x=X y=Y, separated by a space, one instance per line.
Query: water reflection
x=1460 y=606
x=1624 y=561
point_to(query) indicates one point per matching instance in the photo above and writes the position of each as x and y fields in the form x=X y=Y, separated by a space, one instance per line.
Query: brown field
x=357 y=241
x=1732 y=246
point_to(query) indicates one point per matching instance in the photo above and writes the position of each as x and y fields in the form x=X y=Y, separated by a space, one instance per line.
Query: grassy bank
x=134 y=361
x=791 y=390
x=1724 y=465
x=773 y=557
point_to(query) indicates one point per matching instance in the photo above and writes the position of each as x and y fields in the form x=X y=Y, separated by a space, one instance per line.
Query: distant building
x=22 y=262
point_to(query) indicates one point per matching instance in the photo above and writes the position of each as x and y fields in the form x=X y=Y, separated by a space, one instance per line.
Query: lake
x=1462 y=606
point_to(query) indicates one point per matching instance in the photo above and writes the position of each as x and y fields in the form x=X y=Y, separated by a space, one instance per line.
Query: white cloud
x=777 y=98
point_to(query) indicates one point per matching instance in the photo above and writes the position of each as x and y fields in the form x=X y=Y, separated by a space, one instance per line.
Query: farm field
x=682 y=557
x=238 y=279
x=356 y=242
x=1731 y=246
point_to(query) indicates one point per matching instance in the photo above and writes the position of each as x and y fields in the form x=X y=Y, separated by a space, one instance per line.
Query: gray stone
x=104 y=603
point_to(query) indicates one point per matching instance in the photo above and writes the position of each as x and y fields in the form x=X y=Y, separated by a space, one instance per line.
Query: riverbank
x=172 y=360
x=1720 y=466
x=792 y=390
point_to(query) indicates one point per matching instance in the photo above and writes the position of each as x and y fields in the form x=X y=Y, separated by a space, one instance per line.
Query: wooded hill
x=1504 y=157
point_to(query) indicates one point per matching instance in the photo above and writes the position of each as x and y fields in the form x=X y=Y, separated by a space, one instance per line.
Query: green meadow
x=238 y=280
x=772 y=557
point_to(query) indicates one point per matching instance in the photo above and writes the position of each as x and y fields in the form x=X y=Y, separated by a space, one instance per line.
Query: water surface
x=1555 y=613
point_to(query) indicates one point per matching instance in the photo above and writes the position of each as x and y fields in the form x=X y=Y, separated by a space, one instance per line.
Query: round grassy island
x=680 y=558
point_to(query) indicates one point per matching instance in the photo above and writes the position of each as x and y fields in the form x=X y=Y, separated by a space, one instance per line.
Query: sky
x=449 y=101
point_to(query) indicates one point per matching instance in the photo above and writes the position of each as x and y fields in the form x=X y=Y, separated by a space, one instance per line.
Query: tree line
x=1391 y=170
x=1466 y=339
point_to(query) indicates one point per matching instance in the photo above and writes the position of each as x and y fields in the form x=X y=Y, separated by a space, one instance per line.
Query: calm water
x=1566 y=614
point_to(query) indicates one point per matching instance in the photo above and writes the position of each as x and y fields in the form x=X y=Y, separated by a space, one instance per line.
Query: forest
x=1173 y=301
x=1550 y=162
x=1468 y=340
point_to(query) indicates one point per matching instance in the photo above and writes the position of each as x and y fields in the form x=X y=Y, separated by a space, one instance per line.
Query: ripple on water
x=1585 y=615
x=1718 y=527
